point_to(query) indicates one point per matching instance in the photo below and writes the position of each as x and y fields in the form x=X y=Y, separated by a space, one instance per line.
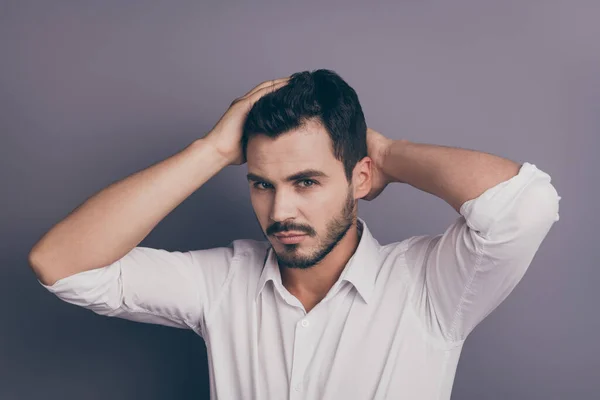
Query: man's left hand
x=377 y=149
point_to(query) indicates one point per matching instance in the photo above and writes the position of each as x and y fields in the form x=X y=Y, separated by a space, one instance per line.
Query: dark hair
x=322 y=95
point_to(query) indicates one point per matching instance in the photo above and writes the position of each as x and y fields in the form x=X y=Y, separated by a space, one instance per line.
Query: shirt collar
x=361 y=270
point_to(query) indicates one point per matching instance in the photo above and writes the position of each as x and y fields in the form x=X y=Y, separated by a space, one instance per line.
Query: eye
x=309 y=183
x=257 y=185
x=304 y=184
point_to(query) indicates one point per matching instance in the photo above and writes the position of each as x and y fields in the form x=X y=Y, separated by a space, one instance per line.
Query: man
x=320 y=310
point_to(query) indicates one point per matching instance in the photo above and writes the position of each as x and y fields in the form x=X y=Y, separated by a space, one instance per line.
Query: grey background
x=91 y=92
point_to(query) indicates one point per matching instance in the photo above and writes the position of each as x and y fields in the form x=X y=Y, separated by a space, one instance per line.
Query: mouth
x=291 y=238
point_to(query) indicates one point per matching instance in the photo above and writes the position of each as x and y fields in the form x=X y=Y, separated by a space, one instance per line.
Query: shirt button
x=305 y=323
x=298 y=387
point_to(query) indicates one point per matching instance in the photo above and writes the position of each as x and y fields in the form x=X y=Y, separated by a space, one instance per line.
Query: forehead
x=308 y=147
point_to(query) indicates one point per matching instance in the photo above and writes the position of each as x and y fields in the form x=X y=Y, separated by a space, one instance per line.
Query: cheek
x=259 y=204
x=325 y=204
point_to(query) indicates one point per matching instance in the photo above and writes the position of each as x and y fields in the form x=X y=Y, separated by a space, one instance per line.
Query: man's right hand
x=226 y=135
x=113 y=221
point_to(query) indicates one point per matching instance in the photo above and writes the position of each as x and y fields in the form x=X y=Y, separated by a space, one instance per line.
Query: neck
x=312 y=284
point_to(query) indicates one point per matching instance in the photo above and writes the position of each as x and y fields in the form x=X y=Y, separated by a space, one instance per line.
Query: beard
x=335 y=231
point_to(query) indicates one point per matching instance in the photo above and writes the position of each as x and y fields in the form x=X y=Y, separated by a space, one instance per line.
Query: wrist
x=206 y=146
x=389 y=161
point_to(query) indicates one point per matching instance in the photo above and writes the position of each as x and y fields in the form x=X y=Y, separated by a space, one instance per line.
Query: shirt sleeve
x=466 y=272
x=151 y=285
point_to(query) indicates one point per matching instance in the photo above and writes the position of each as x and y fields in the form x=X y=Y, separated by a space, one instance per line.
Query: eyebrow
x=307 y=173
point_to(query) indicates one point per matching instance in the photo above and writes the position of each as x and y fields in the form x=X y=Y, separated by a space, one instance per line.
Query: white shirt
x=391 y=327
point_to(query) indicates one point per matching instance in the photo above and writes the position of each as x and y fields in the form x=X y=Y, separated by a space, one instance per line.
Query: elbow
x=533 y=218
x=35 y=263
x=529 y=220
x=40 y=267
x=541 y=206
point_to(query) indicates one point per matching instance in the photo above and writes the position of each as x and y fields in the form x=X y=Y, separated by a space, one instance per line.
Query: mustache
x=281 y=228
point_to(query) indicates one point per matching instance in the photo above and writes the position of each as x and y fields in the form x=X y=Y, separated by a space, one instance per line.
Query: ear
x=361 y=177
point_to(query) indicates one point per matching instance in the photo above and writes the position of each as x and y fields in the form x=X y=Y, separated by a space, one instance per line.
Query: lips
x=291 y=238
x=290 y=234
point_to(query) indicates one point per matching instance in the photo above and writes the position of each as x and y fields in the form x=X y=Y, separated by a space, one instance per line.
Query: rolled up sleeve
x=151 y=285
x=467 y=271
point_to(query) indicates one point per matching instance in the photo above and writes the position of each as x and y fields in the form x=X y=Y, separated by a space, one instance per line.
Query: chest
x=274 y=346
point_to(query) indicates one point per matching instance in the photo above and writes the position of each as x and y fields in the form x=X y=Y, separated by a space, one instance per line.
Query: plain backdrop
x=92 y=91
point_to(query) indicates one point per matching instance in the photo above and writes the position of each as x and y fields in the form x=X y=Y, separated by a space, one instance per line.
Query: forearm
x=116 y=219
x=453 y=174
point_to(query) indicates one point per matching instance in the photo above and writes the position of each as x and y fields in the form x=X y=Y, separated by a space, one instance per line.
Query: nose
x=283 y=207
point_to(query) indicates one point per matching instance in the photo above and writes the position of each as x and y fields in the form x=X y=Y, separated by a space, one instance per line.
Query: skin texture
x=323 y=207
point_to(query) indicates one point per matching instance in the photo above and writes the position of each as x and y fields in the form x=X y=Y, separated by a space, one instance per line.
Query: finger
x=267 y=89
x=266 y=84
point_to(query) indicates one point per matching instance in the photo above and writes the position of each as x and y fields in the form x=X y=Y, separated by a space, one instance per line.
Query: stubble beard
x=337 y=228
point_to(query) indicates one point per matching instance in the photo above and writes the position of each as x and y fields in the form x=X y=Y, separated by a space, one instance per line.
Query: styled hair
x=321 y=95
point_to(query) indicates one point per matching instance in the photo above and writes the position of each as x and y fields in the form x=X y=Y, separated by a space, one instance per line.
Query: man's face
x=319 y=204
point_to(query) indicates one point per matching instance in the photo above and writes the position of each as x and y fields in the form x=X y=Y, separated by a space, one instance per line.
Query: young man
x=320 y=310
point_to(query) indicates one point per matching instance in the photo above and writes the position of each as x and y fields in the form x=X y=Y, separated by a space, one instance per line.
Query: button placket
x=300 y=359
